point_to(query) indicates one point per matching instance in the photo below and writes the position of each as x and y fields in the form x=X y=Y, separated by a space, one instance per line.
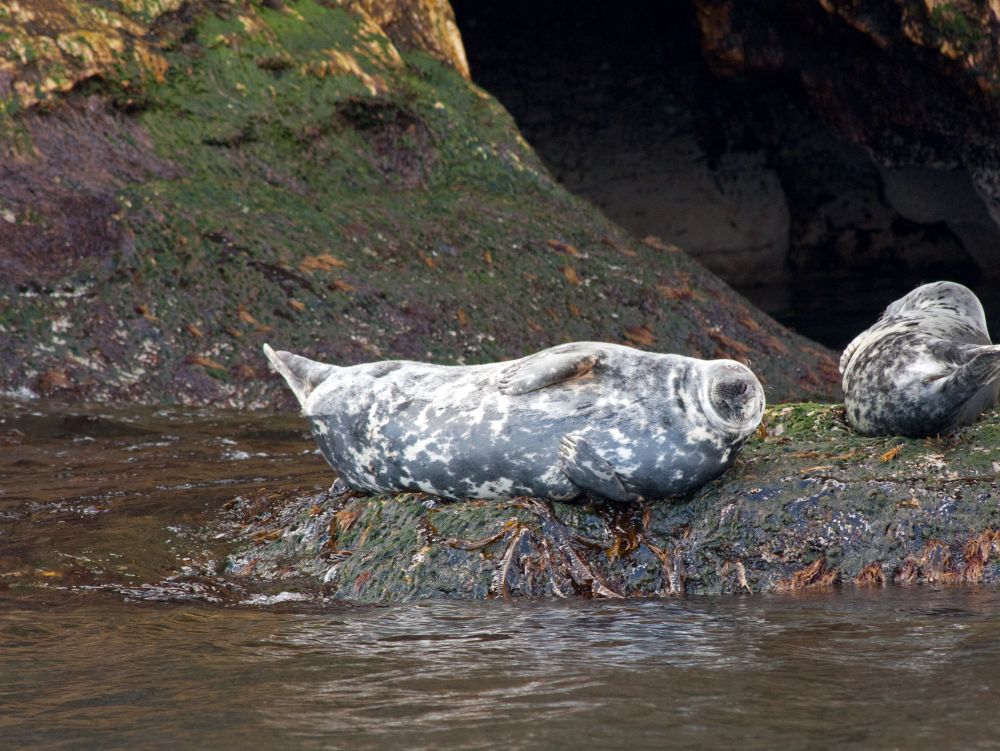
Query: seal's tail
x=302 y=374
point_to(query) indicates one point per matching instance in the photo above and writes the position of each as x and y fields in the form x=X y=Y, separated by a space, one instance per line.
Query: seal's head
x=732 y=397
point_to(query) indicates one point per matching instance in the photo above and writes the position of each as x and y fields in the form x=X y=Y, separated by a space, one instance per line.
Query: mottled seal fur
x=925 y=368
x=604 y=420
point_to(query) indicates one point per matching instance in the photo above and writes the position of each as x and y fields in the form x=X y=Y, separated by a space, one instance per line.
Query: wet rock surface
x=808 y=504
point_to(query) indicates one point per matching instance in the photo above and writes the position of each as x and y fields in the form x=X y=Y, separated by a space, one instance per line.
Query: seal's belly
x=471 y=461
x=457 y=438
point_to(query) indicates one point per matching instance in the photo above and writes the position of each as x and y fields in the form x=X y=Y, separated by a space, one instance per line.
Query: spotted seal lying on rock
x=588 y=418
x=926 y=367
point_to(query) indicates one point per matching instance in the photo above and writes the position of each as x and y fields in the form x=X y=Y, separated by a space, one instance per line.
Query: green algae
x=815 y=506
x=279 y=136
x=955 y=27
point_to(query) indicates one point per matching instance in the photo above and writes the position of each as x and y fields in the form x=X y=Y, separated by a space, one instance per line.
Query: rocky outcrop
x=50 y=47
x=739 y=158
x=289 y=173
x=427 y=25
x=808 y=504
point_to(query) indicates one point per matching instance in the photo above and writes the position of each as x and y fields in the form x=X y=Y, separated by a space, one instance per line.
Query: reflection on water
x=892 y=669
x=103 y=510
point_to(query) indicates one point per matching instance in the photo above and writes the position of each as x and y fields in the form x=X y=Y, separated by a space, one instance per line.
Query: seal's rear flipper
x=302 y=374
x=976 y=384
x=983 y=366
x=591 y=472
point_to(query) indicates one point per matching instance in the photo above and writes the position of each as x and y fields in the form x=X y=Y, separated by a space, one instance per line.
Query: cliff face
x=427 y=25
x=817 y=156
x=808 y=504
x=917 y=84
x=181 y=182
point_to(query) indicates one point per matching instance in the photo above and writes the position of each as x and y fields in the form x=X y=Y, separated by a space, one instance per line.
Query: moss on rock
x=297 y=177
x=807 y=504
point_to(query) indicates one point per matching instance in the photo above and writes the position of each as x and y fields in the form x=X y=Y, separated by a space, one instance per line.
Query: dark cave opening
x=740 y=171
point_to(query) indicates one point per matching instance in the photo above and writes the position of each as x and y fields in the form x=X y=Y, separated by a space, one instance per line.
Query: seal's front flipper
x=591 y=472
x=545 y=369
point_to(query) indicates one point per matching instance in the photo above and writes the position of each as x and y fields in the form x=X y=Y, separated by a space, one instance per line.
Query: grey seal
x=583 y=418
x=925 y=368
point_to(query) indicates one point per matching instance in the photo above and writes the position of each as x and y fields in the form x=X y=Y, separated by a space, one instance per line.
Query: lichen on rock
x=51 y=47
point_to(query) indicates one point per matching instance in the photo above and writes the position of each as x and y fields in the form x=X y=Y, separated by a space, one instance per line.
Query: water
x=117 y=632
x=894 y=669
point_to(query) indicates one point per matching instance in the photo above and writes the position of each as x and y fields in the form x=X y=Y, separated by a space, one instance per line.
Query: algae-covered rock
x=50 y=46
x=292 y=174
x=808 y=504
x=47 y=48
